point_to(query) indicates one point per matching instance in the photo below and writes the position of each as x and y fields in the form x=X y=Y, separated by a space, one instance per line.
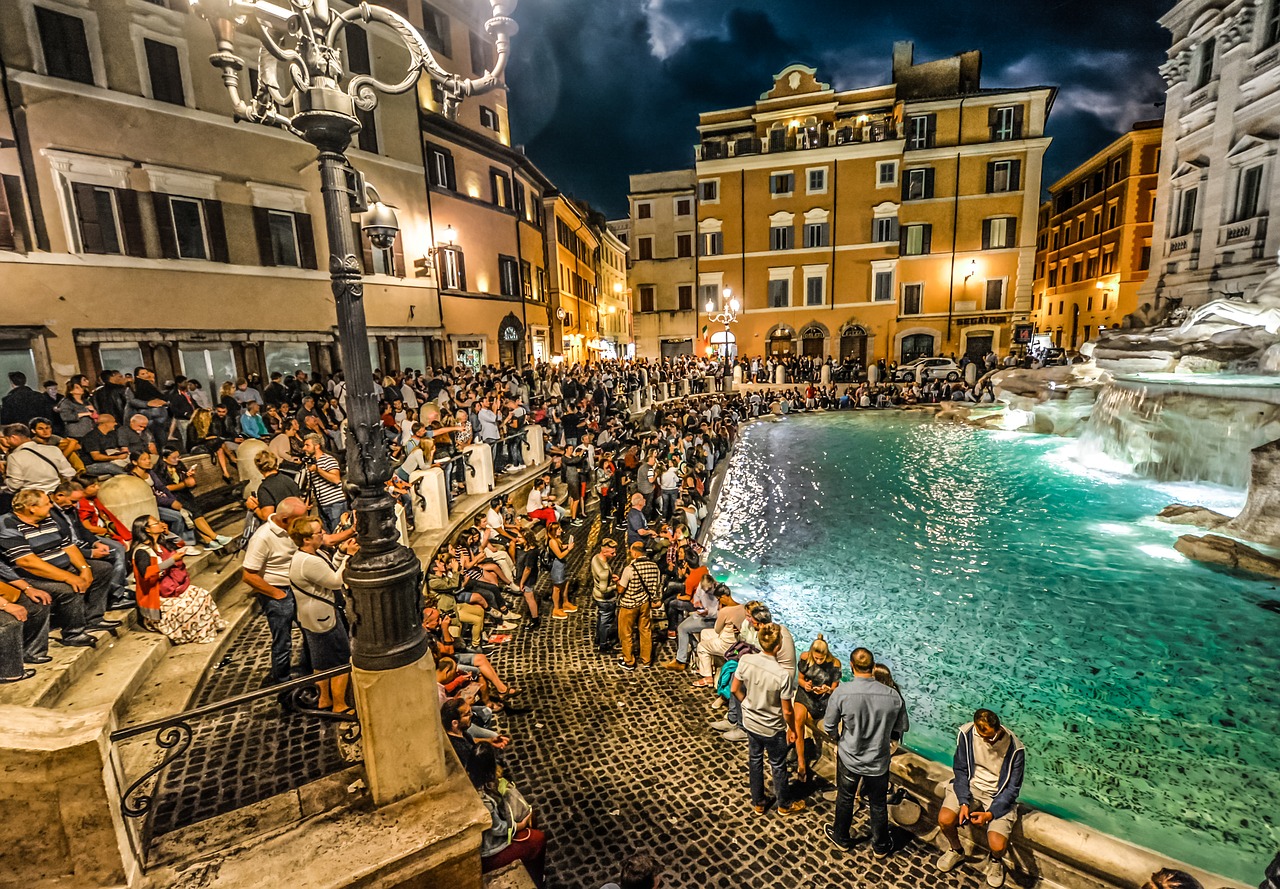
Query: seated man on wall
x=989 y=765
x=37 y=551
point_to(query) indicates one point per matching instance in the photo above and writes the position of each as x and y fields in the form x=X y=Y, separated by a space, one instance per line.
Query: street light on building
x=303 y=89
x=730 y=308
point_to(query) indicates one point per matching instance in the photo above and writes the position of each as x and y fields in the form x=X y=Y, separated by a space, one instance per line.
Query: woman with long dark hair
x=167 y=599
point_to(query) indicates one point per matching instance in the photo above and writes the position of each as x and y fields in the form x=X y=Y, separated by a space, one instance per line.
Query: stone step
x=117 y=673
x=513 y=876
x=69 y=664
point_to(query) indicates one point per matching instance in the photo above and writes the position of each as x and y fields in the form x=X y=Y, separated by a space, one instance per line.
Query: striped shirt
x=45 y=539
x=327 y=493
x=641 y=580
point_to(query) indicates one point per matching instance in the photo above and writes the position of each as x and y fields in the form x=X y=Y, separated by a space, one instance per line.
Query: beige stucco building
x=662 y=228
x=140 y=224
x=886 y=222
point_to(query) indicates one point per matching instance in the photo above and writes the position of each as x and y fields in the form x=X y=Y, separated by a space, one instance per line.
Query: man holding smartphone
x=989 y=765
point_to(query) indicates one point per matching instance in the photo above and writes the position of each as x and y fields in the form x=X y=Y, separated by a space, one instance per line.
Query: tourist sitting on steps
x=24 y=629
x=717 y=640
x=168 y=601
x=989 y=764
x=36 y=554
x=511 y=836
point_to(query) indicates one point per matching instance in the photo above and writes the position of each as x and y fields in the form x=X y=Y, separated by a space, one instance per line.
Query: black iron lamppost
x=302 y=88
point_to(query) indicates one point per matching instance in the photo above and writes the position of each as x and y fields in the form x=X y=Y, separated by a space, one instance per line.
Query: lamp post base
x=404 y=748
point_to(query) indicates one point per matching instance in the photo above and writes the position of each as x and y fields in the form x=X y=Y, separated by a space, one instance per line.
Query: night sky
x=601 y=89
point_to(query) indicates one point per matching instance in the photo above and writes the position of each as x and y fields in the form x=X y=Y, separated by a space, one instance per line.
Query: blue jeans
x=177 y=524
x=874 y=791
x=777 y=749
x=280 y=616
x=331 y=514
x=606 y=623
x=119 y=558
x=687 y=634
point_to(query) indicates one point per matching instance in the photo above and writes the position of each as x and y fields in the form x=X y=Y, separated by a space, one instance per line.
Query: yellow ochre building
x=887 y=222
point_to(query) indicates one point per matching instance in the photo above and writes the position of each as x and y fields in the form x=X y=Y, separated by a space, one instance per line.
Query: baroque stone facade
x=1217 y=186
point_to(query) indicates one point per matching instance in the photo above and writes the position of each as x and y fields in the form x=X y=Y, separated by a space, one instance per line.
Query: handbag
x=517 y=806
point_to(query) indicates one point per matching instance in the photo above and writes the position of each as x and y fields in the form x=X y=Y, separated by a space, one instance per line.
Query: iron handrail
x=174 y=734
x=142 y=728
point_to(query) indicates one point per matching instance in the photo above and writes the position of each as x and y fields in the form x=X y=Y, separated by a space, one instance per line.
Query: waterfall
x=1170 y=433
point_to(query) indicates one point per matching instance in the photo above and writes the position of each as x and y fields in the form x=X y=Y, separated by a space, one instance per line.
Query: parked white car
x=924 y=369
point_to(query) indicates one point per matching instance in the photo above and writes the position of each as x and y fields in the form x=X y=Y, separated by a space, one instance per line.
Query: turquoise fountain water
x=992 y=569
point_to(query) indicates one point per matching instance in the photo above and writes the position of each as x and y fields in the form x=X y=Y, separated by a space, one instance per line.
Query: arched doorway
x=917 y=345
x=782 y=342
x=853 y=345
x=511 y=341
x=724 y=344
x=813 y=343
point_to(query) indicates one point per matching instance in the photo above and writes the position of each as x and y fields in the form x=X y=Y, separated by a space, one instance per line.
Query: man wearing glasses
x=989 y=764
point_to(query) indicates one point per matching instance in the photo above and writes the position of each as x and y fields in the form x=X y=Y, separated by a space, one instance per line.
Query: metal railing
x=174 y=734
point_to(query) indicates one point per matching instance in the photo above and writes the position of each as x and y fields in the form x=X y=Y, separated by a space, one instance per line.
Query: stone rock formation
x=1198 y=516
x=1214 y=549
x=1260 y=519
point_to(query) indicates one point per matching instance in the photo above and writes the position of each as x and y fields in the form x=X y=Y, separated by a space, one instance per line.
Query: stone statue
x=1263 y=310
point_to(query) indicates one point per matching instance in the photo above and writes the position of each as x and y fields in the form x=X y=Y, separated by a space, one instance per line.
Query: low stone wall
x=1050 y=849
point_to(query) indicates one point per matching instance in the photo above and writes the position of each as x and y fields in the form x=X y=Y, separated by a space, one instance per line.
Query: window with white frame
x=815 y=286
x=886 y=174
x=912 y=299
x=779 y=288
x=164 y=70
x=884 y=229
x=97 y=216
x=709 y=191
x=712 y=243
x=1003 y=176
x=999 y=232
x=817 y=180
x=1248 y=192
x=917 y=184
x=67 y=42
x=644 y=209
x=881 y=285
x=190 y=227
x=817 y=234
x=282 y=229
x=915 y=239
x=1186 y=219
x=452 y=270
x=781 y=236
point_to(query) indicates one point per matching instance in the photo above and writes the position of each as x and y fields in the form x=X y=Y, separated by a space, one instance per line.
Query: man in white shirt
x=267 y=559
x=31 y=464
x=765 y=689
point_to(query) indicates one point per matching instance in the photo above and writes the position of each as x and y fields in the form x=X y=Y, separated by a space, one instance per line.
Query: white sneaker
x=513 y=615
x=721 y=725
x=994 y=872
x=949 y=860
x=507 y=627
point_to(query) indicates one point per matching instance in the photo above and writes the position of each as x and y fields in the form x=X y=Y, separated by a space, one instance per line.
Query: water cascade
x=1178 y=430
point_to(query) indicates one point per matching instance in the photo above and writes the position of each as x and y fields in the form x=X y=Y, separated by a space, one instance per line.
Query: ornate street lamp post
x=301 y=89
x=728 y=314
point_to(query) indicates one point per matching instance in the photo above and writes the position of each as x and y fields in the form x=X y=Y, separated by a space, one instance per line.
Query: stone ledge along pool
x=992 y=569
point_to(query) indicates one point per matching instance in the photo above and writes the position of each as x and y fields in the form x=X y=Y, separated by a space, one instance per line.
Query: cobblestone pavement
x=246 y=754
x=613 y=761
x=616 y=762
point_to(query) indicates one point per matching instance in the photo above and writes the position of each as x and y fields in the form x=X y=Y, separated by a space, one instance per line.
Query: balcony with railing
x=801 y=137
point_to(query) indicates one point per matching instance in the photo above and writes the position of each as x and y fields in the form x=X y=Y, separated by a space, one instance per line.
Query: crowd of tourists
x=66 y=561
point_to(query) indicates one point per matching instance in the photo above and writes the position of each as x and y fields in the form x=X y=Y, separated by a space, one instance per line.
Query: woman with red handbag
x=167 y=599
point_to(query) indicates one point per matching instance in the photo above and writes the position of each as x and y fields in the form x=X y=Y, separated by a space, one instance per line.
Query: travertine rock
x=1214 y=549
x=1199 y=516
x=1260 y=518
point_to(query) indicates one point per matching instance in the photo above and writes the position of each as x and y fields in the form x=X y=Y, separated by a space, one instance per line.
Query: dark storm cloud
x=604 y=88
